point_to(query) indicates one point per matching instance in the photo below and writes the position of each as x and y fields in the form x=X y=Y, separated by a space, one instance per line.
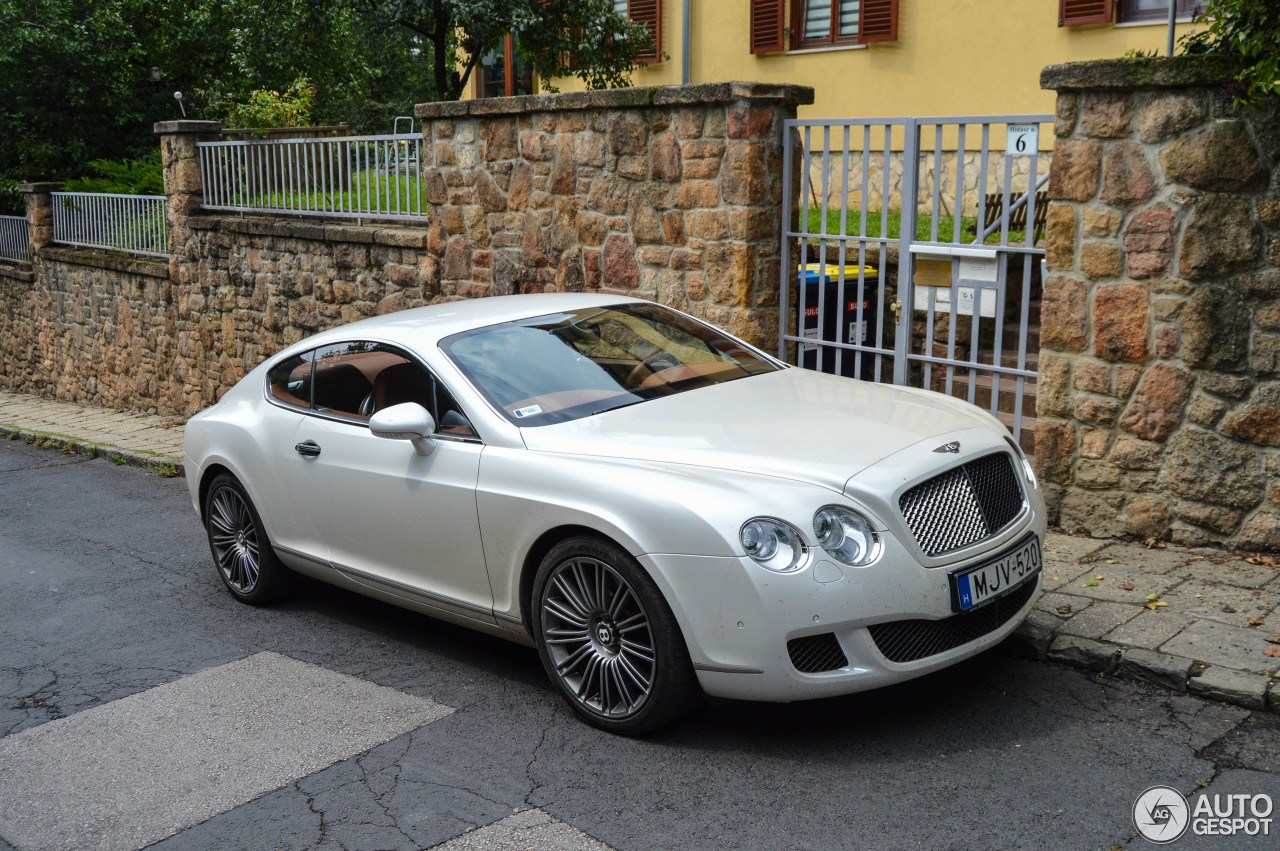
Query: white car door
x=394 y=519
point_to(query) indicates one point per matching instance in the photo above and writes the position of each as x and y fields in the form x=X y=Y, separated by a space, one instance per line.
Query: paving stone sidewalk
x=137 y=439
x=1202 y=620
x=1197 y=620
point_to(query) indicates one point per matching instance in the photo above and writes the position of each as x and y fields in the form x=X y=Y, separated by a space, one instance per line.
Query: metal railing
x=348 y=177
x=14 y=242
x=963 y=319
x=132 y=223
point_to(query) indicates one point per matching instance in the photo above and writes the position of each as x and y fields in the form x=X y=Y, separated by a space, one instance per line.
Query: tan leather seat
x=404 y=382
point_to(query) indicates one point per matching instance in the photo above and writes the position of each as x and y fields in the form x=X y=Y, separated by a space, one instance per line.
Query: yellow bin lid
x=833 y=270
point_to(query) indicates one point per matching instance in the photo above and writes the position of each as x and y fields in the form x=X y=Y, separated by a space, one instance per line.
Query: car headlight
x=846 y=535
x=772 y=544
x=1026 y=464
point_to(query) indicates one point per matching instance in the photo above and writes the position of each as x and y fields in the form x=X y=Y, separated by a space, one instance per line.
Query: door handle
x=896 y=307
x=309 y=448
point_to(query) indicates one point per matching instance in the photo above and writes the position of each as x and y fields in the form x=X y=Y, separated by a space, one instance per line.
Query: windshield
x=550 y=369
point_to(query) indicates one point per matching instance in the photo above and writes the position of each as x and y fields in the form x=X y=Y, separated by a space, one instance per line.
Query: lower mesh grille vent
x=907 y=641
x=814 y=654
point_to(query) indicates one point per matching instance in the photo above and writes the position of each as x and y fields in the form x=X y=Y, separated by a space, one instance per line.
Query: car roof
x=424 y=327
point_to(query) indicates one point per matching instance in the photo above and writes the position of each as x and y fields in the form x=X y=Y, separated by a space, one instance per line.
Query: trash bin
x=840 y=322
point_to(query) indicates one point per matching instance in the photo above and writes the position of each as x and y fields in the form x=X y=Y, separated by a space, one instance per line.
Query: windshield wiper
x=616 y=407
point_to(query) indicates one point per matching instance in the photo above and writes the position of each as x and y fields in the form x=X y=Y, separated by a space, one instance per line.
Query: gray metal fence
x=347 y=177
x=131 y=223
x=14 y=242
x=958 y=198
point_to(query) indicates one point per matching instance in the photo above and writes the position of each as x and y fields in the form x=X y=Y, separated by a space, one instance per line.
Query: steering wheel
x=635 y=377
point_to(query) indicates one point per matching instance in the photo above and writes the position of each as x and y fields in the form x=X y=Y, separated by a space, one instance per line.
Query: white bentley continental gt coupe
x=663 y=510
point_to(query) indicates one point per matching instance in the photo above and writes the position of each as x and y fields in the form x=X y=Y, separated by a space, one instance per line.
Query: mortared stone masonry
x=670 y=193
x=1159 y=386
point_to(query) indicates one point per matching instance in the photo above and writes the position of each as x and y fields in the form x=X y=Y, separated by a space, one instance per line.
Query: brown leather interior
x=688 y=370
x=403 y=382
x=340 y=387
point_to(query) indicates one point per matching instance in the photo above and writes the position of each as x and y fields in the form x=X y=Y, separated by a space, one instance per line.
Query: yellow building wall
x=952 y=57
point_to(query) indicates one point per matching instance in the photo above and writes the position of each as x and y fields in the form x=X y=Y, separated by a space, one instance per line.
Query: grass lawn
x=373 y=193
x=924 y=224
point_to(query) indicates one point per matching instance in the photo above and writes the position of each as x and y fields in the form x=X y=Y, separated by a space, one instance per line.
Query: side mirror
x=407 y=421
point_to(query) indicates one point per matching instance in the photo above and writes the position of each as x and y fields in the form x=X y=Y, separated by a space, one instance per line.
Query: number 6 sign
x=1024 y=140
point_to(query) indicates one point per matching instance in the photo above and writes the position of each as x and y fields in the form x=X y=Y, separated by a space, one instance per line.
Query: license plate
x=972 y=587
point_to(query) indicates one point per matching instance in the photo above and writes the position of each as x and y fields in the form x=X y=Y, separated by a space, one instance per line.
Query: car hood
x=793 y=424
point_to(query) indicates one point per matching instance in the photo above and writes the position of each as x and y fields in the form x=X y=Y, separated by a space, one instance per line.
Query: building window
x=1076 y=13
x=821 y=22
x=648 y=13
x=500 y=73
x=1156 y=10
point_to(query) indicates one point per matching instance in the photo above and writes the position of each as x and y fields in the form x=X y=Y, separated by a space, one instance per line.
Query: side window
x=290 y=381
x=449 y=417
x=357 y=379
x=346 y=375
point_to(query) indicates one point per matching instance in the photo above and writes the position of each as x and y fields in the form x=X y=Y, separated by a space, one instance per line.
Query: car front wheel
x=243 y=555
x=608 y=639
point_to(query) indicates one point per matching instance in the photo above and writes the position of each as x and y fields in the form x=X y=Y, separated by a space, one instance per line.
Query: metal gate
x=916 y=255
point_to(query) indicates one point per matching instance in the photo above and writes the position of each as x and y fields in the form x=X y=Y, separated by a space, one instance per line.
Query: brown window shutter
x=649 y=13
x=1077 y=13
x=878 y=21
x=766 y=26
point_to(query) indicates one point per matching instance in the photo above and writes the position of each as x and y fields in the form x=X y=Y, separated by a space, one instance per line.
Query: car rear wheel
x=243 y=555
x=608 y=639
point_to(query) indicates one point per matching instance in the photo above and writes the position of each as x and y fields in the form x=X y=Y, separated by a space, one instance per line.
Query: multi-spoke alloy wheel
x=234 y=539
x=244 y=557
x=608 y=639
x=598 y=636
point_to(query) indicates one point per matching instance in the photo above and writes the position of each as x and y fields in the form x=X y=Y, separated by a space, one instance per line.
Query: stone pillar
x=39 y=214
x=1159 y=389
x=672 y=193
x=182 y=185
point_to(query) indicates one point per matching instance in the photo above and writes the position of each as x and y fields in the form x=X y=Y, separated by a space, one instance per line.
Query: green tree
x=83 y=81
x=1248 y=30
x=558 y=38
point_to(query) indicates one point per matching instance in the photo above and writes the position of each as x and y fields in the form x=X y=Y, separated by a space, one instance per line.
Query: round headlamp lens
x=772 y=544
x=846 y=535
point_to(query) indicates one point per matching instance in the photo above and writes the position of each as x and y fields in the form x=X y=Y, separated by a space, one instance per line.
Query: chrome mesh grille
x=967 y=504
x=907 y=641
x=813 y=654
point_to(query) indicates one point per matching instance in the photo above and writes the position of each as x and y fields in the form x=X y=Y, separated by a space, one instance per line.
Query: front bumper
x=738 y=617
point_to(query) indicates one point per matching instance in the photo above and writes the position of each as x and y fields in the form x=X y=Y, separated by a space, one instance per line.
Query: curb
x=1034 y=639
x=107 y=451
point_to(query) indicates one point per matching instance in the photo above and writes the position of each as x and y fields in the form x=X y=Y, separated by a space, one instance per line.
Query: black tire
x=242 y=554
x=608 y=640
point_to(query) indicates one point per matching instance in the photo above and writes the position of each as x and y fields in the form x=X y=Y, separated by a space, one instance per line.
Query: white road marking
x=528 y=830
x=134 y=771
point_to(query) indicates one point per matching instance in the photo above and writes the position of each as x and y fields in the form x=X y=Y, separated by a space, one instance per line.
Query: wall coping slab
x=152 y=268
x=1177 y=72
x=635 y=96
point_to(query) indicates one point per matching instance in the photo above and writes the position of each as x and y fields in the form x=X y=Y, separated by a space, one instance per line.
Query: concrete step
x=1027 y=439
x=984 y=385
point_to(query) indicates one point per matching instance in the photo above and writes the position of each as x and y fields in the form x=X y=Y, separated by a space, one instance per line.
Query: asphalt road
x=113 y=625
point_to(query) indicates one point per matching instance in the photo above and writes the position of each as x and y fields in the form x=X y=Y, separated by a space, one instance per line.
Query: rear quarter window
x=289 y=381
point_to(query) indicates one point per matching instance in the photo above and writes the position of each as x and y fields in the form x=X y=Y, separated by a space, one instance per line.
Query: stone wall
x=1159 y=393
x=671 y=194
